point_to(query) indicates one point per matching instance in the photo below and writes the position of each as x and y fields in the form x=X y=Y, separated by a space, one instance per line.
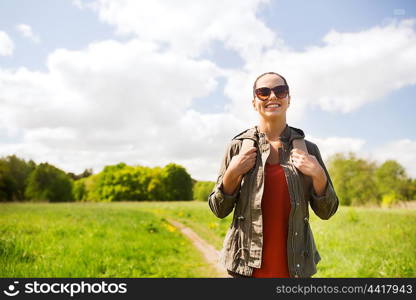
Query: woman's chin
x=273 y=114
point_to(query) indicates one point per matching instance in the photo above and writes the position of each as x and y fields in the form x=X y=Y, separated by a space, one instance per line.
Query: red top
x=275 y=207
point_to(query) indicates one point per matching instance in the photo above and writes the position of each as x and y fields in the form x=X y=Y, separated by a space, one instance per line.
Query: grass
x=355 y=242
x=132 y=239
x=367 y=242
x=93 y=240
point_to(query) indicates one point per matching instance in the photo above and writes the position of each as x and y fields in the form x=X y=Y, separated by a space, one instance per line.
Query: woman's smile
x=272 y=106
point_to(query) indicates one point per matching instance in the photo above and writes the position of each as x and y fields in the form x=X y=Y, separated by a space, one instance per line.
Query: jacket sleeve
x=220 y=203
x=326 y=205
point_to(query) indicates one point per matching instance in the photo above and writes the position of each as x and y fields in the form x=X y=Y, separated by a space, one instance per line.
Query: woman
x=268 y=176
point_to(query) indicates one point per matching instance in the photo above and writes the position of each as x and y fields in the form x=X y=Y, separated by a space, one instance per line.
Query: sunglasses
x=280 y=91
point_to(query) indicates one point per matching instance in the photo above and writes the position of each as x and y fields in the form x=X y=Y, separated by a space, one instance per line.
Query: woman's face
x=272 y=107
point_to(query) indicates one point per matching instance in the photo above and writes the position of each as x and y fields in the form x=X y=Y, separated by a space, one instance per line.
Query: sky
x=85 y=84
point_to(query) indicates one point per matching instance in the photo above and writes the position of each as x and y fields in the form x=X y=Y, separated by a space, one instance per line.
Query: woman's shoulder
x=312 y=147
x=234 y=145
x=297 y=133
x=248 y=133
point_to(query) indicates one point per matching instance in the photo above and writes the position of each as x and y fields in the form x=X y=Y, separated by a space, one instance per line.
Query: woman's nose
x=272 y=96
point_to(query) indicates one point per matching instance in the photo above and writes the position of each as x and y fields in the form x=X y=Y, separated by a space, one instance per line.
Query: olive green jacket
x=242 y=247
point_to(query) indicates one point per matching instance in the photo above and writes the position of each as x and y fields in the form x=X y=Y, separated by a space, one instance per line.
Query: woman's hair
x=274 y=73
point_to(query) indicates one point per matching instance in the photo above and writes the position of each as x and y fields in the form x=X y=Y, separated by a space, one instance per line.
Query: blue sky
x=378 y=126
x=395 y=111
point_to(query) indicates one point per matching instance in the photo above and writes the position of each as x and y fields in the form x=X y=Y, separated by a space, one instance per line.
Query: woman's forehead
x=269 y=80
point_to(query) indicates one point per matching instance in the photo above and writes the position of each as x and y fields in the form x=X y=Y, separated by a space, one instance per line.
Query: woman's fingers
x=297 y=155
x=251 y=153
x=297 y=151
x=250 y=163
x=250 y=150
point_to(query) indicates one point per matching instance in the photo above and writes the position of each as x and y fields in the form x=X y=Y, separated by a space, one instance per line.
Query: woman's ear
x=288 y=101
x=254 y=104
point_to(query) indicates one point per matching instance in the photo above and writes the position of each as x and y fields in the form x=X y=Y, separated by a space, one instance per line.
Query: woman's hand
x=238 y=166
x=243 y=162
x=309 y=165
x=306 y=163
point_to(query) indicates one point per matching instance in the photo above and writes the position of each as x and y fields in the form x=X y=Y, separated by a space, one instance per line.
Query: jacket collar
x=288 y=135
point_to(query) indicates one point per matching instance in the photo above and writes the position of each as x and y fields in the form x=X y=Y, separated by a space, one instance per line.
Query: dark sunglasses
x=280 y=91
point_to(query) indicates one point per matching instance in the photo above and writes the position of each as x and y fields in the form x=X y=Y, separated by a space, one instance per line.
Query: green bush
x=389 y=199
x=202 y=189
x=125 y=183
x=79 y=190
x=14 y=174
x=177 y=183
x=353 y=179
x=48 y=183
x=391 y=179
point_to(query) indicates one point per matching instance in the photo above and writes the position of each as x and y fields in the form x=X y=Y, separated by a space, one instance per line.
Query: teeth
x=273 y=105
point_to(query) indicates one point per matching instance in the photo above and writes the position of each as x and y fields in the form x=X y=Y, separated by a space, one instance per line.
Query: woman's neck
x=272 y=128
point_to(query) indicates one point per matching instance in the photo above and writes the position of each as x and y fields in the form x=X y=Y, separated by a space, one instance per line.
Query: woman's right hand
x=239 y=165
x=242 y=163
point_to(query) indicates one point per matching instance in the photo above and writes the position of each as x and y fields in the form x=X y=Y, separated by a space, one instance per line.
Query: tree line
x=357 y=182
x=22 y=180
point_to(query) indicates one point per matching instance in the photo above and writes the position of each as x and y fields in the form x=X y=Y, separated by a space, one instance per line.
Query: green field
x=133 y=239
x=93 y=240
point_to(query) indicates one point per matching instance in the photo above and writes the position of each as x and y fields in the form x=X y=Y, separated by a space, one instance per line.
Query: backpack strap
x=247 y=143
x=300 y=144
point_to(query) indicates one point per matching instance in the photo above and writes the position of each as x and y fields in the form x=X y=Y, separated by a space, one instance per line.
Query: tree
x=391 y=180
x=110 y=183
x=15 y=173
x=353 y=179
x=155 y=187
x=177 y=183
x=85 y=174
x=409 y=189
x=91 y=192
x=7 y=184
x=123 y=183
x=202 y=189
x=48 y=183
x=79 y=190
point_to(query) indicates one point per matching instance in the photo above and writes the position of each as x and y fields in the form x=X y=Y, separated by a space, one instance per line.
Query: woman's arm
x=220 y=203
x=231 y=182
x=319 y=182
x=224 y=195
x=324 y=201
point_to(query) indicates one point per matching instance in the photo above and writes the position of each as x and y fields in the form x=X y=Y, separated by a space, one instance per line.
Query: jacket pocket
x=239 y=239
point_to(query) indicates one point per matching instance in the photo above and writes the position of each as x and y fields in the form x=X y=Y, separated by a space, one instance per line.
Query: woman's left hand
x=306 y=163
x=309 y=165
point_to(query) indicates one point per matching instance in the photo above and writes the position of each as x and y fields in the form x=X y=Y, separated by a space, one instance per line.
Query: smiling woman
x=269 y=176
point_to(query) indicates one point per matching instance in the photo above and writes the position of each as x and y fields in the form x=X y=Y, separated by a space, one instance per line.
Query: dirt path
x=210 y=254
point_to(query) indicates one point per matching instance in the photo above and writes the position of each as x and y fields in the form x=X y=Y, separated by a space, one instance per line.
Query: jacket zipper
x=240 y=218
x=293 y=202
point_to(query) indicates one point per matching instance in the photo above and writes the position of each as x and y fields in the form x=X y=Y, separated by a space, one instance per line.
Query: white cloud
x=89 y=110
x=26 y=31
x=331 y=145
x=403 y=151
x=347 y=72
x=131 y=101
x=188 y=26
x=78 y=3
x=6 y=44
